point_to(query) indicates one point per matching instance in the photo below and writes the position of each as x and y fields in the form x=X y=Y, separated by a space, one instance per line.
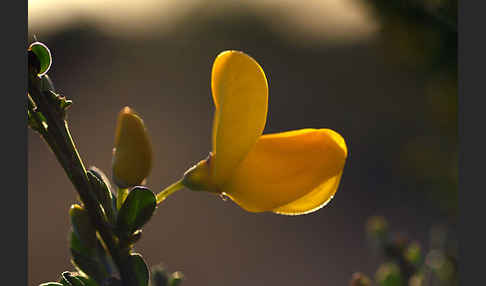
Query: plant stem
x=60 y=141
x=169 y=190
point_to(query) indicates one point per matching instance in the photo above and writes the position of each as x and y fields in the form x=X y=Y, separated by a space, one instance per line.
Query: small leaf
x=102 y=191
x=43 y=55
x=82 y=226
x=47 y=84
x=89 y=261
x=70 y=279
x=136 y=210
x=77 y=245
x=36 y=120
x=141 y=269
x=87 y=281
x=88 y=266
x=102 y=177
x=32 y=122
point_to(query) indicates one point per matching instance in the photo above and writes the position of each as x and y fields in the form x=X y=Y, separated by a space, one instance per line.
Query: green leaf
x=141 y=269
x=87 y=281
x=76 y=279
x=88 y=266
x=43 y=55
x=47 y=84
x=70 y=279
x=82 y=226
x=77 y=245
x=36 y=120
x=32 y=122
x=102 y=189
x=89 y=261
x=51 y=284
x=137 y=209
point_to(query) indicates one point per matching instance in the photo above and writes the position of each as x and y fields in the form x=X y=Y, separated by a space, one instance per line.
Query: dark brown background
x=364 y=89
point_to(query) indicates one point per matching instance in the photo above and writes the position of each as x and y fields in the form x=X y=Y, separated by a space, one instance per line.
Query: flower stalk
x=169 y=191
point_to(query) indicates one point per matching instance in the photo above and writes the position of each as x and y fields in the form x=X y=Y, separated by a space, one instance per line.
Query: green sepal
x=142 y=274
x=137 y=209
x=102 y=189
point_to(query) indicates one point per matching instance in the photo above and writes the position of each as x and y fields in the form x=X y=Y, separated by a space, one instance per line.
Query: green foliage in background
x=406 y=262
x=422 y=36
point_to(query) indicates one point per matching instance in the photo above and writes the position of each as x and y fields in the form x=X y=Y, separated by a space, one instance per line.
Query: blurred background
x=381 y=73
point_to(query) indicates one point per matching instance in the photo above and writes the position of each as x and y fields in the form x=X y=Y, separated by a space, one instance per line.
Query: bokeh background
x=381 y=73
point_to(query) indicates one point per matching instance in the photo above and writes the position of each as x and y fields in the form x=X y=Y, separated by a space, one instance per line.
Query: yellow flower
x=293 y=172
x=132 y=155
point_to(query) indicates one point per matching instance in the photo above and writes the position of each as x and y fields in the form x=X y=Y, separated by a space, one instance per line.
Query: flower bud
x=132 y=155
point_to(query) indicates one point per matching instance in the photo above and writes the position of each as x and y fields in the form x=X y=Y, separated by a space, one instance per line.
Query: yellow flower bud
x=132 y=154
x=291 y=173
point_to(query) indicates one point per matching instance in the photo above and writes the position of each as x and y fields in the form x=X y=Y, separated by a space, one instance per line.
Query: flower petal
x=293 y=172
x=240 y=94
x=132 y=155
x=314 y=200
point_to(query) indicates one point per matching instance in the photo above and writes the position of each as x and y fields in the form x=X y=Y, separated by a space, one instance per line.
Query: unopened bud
x=132 y=155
